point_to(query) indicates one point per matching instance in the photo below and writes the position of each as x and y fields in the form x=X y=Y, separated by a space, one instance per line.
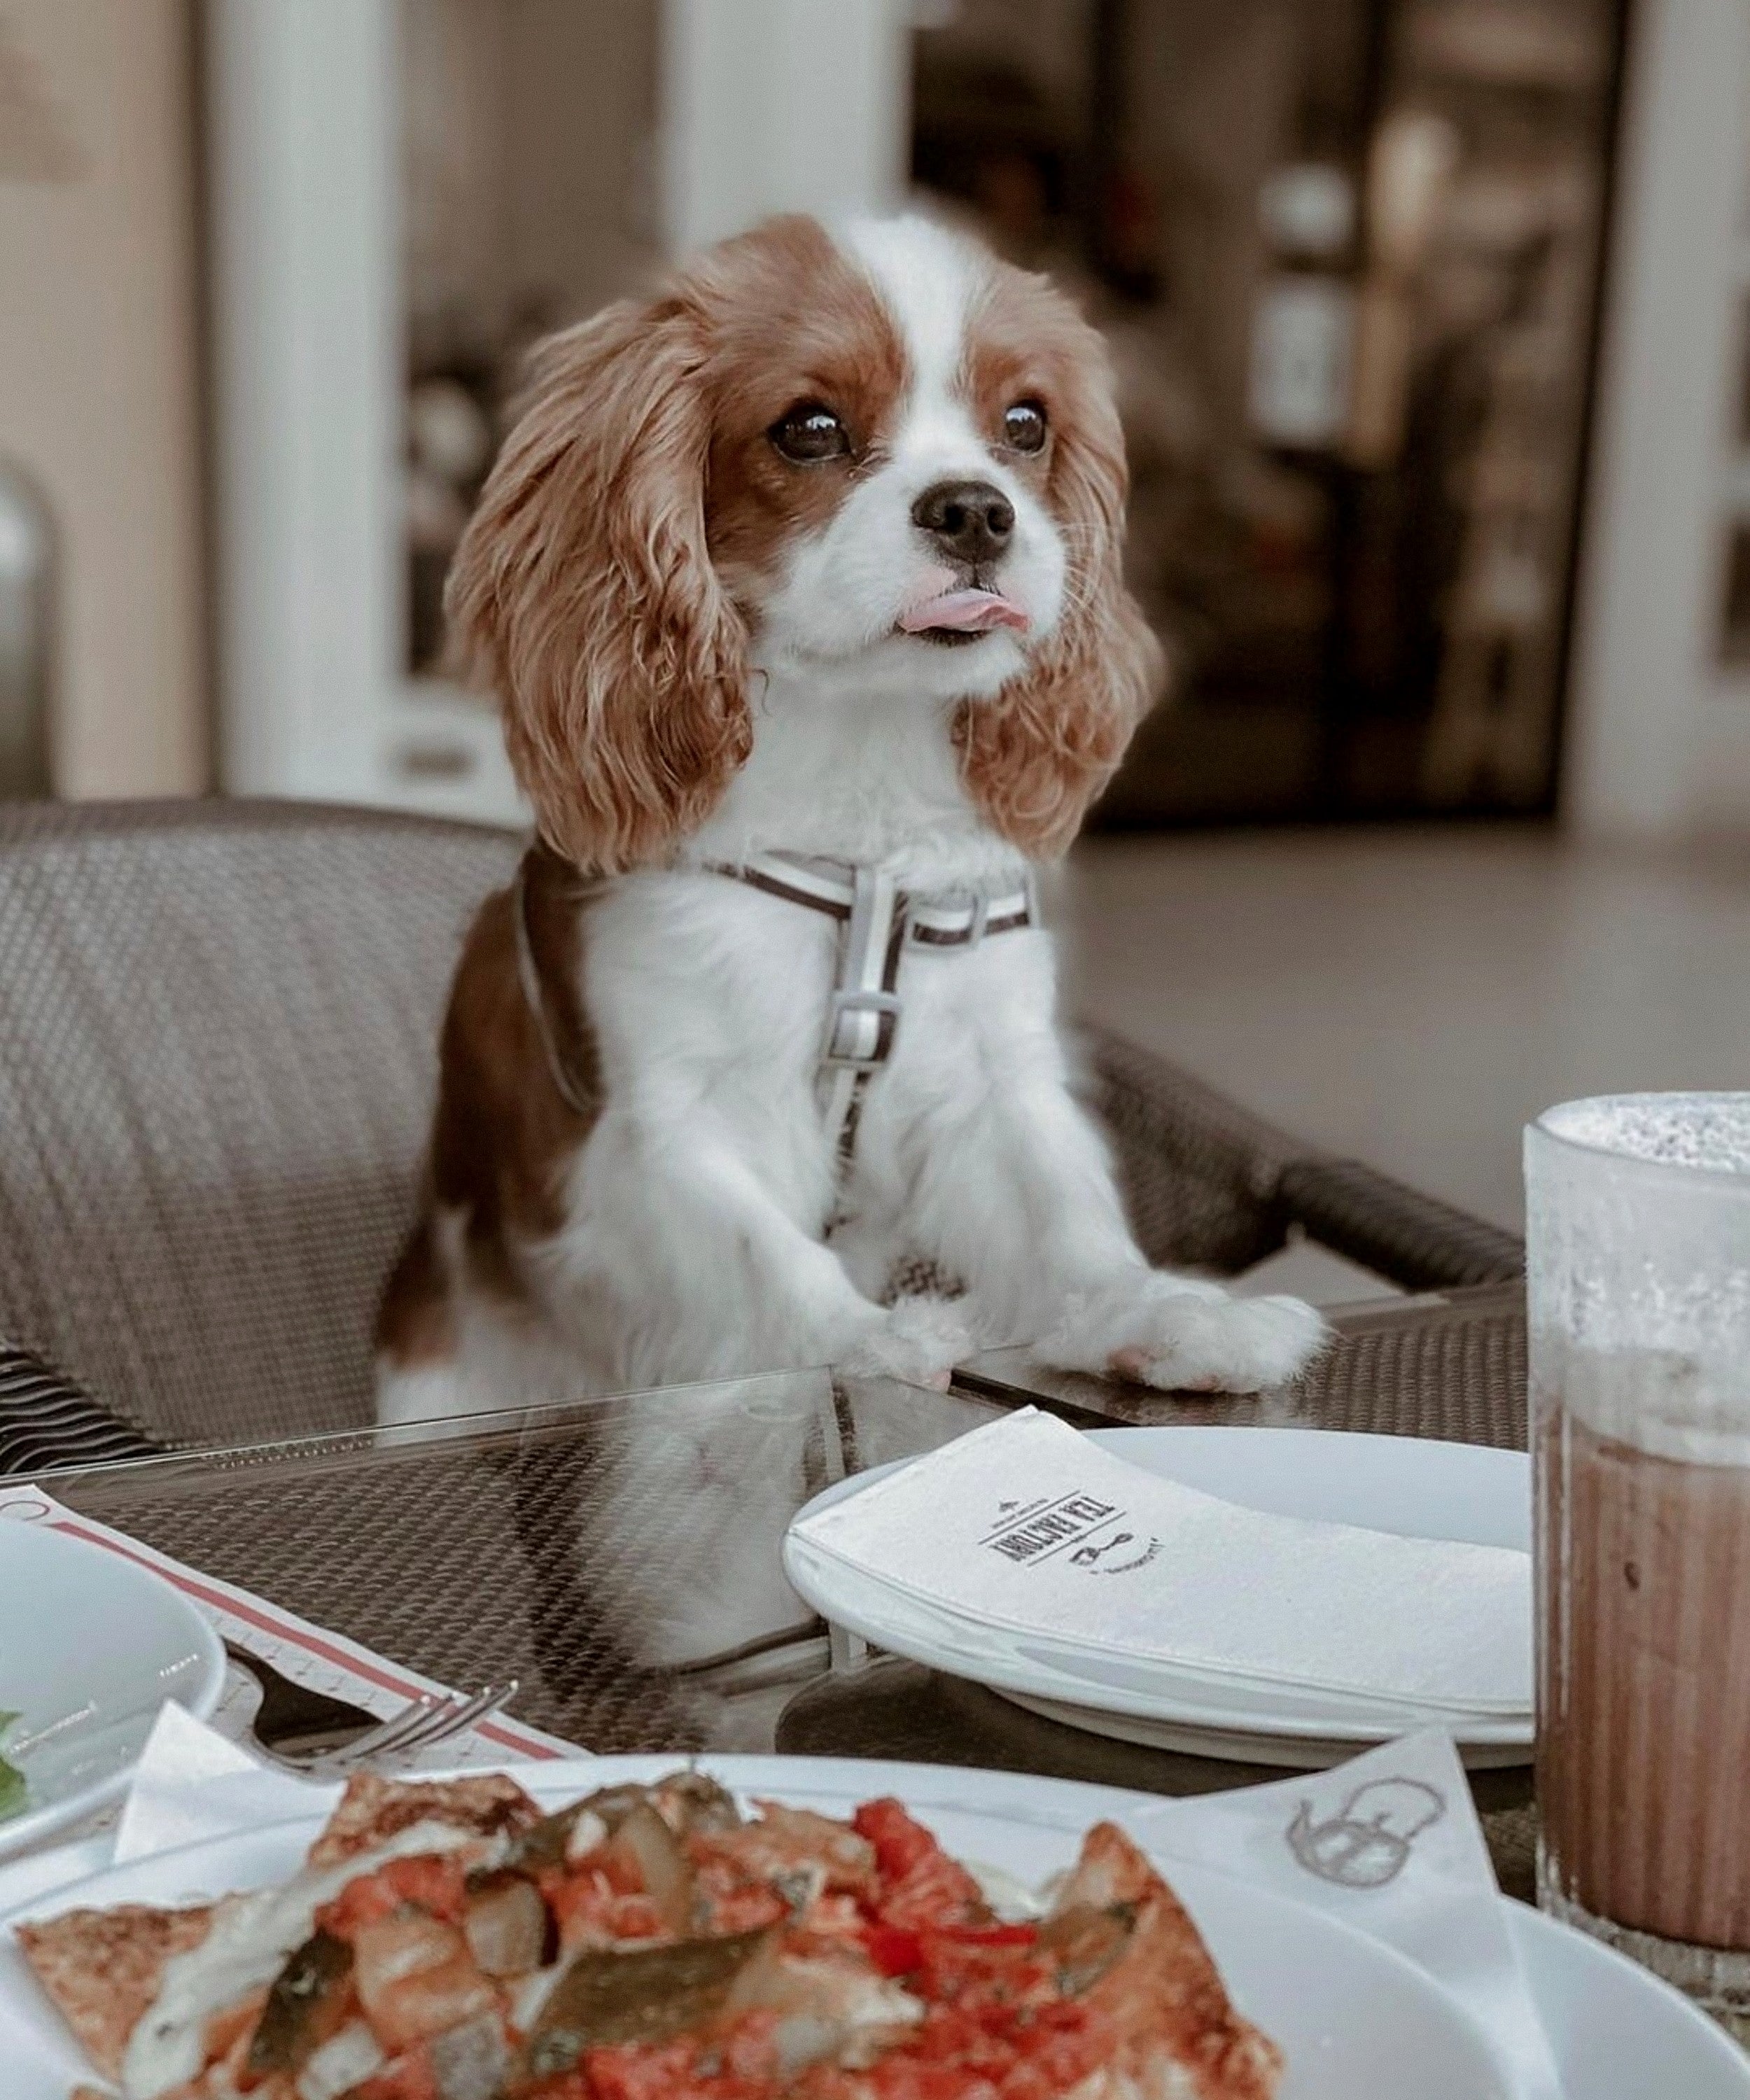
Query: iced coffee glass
x=1638 y=1257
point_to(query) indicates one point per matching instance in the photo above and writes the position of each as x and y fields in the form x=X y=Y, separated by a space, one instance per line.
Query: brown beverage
x=1643 y=1755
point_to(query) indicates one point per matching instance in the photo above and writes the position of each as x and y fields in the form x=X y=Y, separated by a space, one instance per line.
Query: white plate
x=91 y=1645
x=1409 y=1485
x=1617 y=2033
x=1352 y=2016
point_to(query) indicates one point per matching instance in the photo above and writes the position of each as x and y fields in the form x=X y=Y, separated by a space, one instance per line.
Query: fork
x=321 y=1738
x=420 y=1725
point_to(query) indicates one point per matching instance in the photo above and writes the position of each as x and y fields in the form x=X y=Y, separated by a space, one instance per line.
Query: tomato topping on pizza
x=454 y=1943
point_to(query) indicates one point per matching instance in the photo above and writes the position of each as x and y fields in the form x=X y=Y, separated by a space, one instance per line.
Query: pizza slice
x=447 y=1941
x=103 y=1969
x=1161 y=1995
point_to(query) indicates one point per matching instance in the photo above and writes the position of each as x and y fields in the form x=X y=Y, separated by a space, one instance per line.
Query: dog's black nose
x=969 y=520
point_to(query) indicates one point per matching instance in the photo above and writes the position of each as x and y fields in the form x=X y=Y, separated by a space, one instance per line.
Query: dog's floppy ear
x=583 y=594
x=1036 y=755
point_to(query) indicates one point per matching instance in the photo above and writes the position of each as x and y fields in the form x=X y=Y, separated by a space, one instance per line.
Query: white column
x=781 y=105
x=306 y=263
x=1660 y=737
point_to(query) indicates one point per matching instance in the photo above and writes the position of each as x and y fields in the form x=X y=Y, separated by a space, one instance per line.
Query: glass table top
x=619 y=1557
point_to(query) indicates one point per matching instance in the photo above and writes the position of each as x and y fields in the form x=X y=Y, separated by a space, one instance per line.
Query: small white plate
x=1351 y=2016
x=1409 y=1485
x=91 y=1645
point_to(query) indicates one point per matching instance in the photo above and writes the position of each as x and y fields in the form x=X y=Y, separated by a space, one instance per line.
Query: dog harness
x=878 y=921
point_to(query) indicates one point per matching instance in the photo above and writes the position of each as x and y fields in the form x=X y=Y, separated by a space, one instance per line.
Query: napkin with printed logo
x=1026 y=1535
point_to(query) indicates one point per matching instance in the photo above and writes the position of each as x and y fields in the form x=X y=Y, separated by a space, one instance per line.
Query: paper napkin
x=1026 y=1529
x=1390 y=1845
x=193 y=1784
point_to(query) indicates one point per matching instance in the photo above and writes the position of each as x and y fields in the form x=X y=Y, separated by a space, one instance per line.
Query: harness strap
x=863 y=1012
x=878 y=920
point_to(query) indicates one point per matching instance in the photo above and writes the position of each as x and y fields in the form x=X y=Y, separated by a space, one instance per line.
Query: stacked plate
x=1413 y=1488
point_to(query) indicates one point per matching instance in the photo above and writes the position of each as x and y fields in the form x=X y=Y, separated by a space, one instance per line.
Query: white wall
x=308 y=386
x=1660 y=734
x=98 y=374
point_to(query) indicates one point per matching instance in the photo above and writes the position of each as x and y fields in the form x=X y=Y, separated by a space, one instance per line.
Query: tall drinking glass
x=1638 y=1237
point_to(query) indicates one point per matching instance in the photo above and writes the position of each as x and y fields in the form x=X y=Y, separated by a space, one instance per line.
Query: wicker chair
x=218 y=1029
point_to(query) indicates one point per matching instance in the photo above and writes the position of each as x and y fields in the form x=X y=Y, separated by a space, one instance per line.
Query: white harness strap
x=878 y=921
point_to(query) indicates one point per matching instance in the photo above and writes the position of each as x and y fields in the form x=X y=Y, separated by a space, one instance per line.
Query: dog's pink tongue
x=967 y=611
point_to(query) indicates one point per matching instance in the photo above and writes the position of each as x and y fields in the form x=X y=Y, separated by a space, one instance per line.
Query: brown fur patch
x=503 y=1133
x=415 y=1325
x=785 y=318
x=1036 y=755
x=582 y=594
x=1025 y=342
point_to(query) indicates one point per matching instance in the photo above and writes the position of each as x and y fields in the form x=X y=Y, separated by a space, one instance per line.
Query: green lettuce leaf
x=12 y=1786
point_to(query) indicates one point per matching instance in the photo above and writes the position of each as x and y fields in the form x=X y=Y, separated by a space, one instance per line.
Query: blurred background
x=1429 y=321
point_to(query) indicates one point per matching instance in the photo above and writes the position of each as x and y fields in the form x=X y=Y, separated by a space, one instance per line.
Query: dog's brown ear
x=1036 y=755
x=582 y=592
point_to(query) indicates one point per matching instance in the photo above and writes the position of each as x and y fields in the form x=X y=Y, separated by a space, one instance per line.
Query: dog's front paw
x=1195 y=1340
x=1225 y=1345
x=918 y=1340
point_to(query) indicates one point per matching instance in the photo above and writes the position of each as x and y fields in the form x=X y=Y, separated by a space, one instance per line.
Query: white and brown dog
x=799 y=587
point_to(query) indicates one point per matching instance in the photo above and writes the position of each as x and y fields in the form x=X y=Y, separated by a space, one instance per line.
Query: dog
x=799 y=587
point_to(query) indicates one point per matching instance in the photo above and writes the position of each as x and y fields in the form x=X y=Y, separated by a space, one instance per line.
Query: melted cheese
x=344 y=2060
x=246 y=1946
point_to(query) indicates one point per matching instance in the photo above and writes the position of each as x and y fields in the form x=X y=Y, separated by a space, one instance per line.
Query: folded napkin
x=1389 y=1844
x=1025 y=1529
x=192 y=1783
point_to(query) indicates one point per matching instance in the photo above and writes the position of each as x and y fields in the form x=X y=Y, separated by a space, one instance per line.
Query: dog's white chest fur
x=710 y=1002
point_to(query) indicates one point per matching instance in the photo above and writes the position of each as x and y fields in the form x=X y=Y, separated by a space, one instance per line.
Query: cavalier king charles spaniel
x=799 y=587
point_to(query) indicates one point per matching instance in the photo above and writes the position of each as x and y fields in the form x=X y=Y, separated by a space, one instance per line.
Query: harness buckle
x=844 y=1005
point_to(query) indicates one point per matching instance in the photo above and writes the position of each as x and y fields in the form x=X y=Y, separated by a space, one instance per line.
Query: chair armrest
x=1209 y=1184
x=1414 y=1240
x=47 y=1424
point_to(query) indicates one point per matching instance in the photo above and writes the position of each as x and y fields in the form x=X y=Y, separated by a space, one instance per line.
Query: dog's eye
x=1023 y=425
x=810 y=432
